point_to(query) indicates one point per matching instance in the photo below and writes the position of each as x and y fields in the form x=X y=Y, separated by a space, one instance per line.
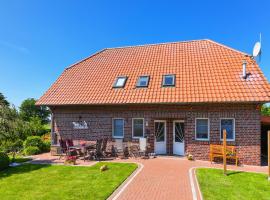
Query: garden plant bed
x=235 y=186
x=31 y=181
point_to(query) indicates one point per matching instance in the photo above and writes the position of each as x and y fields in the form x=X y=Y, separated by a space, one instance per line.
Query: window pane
x=143 y=81
x=118 y=125
x=120 y=82
x=138 y=128
x=179 y=132
x=168 y=80
x=202 y=128
x=228 y=125
x=160 y=131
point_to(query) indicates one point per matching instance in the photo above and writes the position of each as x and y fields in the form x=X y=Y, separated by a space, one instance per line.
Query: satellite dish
x=256 y=49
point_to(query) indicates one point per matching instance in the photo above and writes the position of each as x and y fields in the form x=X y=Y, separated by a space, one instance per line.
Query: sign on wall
x=80 y=125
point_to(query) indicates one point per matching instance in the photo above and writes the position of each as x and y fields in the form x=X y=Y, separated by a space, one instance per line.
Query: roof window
x=143 y=81
x=120 y=82
x=168 y=80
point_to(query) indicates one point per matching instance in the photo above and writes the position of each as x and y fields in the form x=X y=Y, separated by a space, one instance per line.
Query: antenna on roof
x=257 y=49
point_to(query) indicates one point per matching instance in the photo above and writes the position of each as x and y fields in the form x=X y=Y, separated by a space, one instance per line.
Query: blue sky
x=39 y=39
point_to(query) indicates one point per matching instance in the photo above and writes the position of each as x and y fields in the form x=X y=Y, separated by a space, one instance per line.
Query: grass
x=19 y=159
x=48 y=182
x=235 y=186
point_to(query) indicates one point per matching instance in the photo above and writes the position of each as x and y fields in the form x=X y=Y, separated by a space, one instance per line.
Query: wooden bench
x=216 y=151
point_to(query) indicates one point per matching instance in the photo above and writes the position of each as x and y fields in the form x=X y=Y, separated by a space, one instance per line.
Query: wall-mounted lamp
x=146 y=123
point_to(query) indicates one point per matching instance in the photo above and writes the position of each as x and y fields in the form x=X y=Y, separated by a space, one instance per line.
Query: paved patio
x=160 y=178
x=46 y=158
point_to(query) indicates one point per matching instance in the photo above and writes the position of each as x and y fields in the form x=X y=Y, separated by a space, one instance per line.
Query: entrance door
x=160 y=137
x=178 y=138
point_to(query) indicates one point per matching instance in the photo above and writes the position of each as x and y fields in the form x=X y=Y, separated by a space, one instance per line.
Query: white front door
x=178 y=138
x=160 y=137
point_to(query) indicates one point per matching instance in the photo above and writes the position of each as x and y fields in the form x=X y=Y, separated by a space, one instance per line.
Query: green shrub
x=4 y=161
x=31 y=151
x=33 y=141
x=46 y=147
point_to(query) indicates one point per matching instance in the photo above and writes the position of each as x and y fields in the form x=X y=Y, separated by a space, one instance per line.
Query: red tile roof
x=205 y=71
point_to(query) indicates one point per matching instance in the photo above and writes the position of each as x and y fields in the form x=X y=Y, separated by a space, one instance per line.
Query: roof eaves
x=162 y=103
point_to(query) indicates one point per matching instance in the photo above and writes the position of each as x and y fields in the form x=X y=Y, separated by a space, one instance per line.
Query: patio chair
x=143 y=148
x=134 y=151
x=69 y=142
x=119 y=148
x=72 y=150
x=104 y=148
x=96 y=153
x=63 y=148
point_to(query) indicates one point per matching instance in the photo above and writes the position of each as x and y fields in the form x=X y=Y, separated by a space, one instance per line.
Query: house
x=179 y=95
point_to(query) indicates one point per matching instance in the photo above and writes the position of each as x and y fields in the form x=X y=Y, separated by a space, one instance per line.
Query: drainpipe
x=52 y=130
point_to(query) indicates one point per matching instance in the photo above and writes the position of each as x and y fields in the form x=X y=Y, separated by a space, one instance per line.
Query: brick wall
x=99 y=120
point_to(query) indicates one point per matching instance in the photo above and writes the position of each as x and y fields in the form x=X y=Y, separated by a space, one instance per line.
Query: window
x=143 y=81
x=118 y=128
x=120 y=82
x=202 y=129
x=168 y=80
x=137 y=127
x=228 y=125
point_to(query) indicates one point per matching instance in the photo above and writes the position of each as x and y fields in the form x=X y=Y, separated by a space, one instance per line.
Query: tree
x=10 y=130
x=265 y=110
x=28 y=110
x=36 y=127
x=3 y=100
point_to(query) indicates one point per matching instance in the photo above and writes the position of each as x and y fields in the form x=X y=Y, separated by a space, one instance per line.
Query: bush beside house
x=34 y=145
x=28 y=151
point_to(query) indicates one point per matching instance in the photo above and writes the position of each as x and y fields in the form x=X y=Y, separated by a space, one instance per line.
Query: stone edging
x=194 y=186
x=124 y=185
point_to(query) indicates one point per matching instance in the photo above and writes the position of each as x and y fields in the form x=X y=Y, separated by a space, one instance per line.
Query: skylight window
x=143 y=81
x=120 y=82
x=168 y=80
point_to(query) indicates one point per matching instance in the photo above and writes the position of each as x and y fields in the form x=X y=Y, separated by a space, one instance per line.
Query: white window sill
x=115 y=137
x=229 y=140
x=137 y=137
x=197 y=139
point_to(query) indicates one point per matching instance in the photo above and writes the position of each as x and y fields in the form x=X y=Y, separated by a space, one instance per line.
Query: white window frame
x=221 y=139
x=133 y=128
x=208 y=130
x=113 y=128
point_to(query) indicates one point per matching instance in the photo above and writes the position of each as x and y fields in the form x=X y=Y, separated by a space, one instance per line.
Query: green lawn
x=235 y=186
x=19 y=159
x=48 y=182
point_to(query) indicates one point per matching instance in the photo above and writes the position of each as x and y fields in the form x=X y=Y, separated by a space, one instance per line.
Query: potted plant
x=70 y=160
